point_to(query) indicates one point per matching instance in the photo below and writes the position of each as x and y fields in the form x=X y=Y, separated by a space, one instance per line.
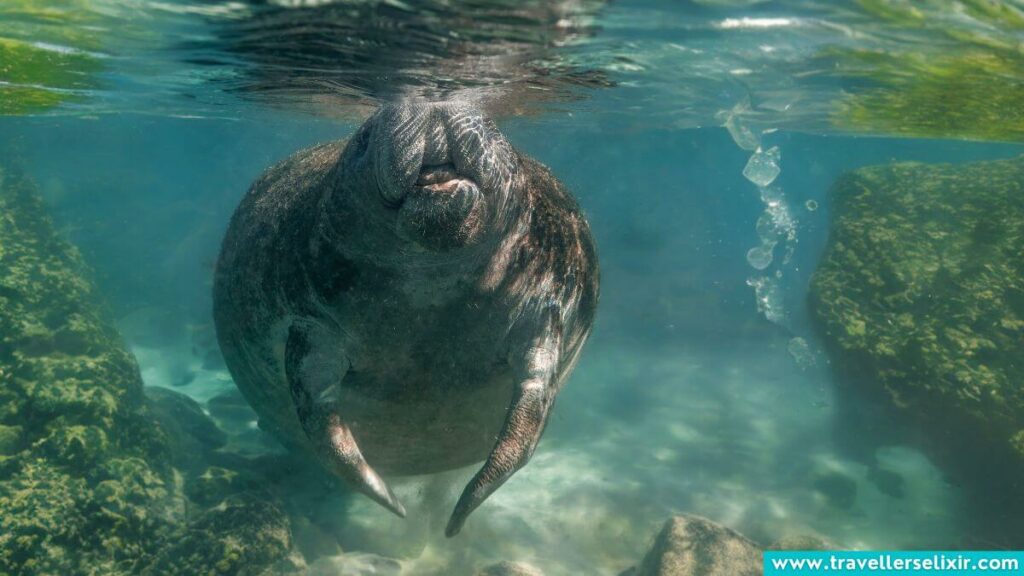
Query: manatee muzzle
x=440 y=165
x=420 y=144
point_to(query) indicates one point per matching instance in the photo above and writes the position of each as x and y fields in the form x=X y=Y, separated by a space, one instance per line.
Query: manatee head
x=440 y=175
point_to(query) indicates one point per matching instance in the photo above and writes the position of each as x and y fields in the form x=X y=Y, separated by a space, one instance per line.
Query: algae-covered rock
x=920 y=297
x=216 y=483
x=10 y=439
x=802 y=542
x=244 y=534
x=695 y=546
x=84 y=486
x=1017 y=442
x=192 y=434
x=88 y=483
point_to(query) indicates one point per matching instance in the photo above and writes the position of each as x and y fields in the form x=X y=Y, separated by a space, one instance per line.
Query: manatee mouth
x=443 y=209
x=441 y=177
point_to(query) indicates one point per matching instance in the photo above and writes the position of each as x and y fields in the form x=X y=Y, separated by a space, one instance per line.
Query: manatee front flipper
x=536 y=373
x=314 y=371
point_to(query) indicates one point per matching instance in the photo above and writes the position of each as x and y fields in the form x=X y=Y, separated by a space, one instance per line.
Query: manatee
x=408 y=301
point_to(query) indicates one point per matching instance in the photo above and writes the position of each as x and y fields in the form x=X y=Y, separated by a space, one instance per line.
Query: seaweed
x=921 y=290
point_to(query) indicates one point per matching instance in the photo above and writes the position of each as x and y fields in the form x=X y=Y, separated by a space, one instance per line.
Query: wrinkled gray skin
x=408 y=302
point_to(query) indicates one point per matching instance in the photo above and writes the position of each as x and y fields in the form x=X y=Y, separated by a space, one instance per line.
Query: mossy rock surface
x=242 y=535
x=84 y=485
x=87 y=478
x=920 y=293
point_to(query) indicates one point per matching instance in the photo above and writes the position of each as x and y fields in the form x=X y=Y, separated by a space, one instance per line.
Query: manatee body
x=408 y=302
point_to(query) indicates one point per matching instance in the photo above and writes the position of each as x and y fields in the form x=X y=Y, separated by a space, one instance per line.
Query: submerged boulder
x=85 y=482
x=694 y=546
x=244 y=534
x=920 y=300
x=192 y=433
x=89 y=476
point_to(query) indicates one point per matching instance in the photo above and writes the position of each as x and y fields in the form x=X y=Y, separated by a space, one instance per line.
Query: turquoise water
x=705 y=387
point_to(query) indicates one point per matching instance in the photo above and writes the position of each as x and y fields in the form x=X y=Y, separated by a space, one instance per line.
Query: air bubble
x=766 y=228
x=743 y=136
x=769 y=299
x=811 y=205
x=760 y=257
x=763 y=166
x=801 y=352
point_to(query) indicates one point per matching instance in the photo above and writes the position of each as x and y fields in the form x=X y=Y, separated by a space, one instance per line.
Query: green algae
x=74 y=395
x=964 y=78
x=921 y=289
x=47 y=54
x=87 y=477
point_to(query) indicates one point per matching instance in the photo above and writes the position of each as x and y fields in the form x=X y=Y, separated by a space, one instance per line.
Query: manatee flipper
x=536 y=371
x=314 y=373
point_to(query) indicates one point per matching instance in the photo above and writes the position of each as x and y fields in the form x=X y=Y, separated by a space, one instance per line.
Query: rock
x=190 y=431
x=802 y=542
x=244 y=535
x=919 y=298
x=231 y=410
x=355 y=564
x=1017 y=444
x=86 y=484
x=506 y=568
x=217 y=483
x=694 y=546
x=88 y=478
x=292 y=564
x=10 y=439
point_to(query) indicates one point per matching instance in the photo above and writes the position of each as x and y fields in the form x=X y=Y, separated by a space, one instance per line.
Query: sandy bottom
x=744 y=436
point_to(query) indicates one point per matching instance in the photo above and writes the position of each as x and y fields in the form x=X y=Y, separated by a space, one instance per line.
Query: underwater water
x=787 y=343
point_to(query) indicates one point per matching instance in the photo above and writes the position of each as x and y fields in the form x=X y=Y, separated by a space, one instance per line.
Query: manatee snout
x=445 y=169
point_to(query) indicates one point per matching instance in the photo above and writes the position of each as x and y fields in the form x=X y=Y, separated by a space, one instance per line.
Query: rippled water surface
x=702 y=140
